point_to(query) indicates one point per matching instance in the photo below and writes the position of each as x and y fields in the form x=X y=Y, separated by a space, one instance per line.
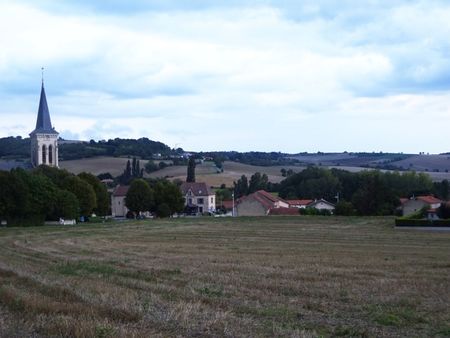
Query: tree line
x=48 y=194
x=18 y=147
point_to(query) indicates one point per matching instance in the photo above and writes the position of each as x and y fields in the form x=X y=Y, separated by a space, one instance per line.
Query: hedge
x=422 y=222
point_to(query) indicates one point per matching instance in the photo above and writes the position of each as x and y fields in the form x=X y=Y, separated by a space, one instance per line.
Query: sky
x=289 y=76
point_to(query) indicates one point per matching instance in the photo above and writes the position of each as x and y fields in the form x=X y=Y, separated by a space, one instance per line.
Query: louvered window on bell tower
x=50 y=154
x=44 y=154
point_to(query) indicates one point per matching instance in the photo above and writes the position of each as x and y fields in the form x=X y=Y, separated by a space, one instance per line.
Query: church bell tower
x=44 y=138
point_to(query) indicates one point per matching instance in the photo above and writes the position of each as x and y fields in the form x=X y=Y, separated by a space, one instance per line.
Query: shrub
x=163 y=210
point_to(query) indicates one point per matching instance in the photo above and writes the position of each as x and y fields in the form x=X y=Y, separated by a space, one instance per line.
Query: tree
x=442 y=189
x=139 y=196
x=258 y=182
x=374 y=196
x=13 y=195
x=169 y=194
x=310 y=183
x=444 y=211
x=132 y=170
x=105 y=176
x=191 y=170
x=163 y=210
x=67 y=206
x=344 y=208
x=42 y=198
x=151 y=166
x=241 y=187
x=57 y=176
x=101 y=193
x=223 y=194
x=83 y=191
x=126 y=175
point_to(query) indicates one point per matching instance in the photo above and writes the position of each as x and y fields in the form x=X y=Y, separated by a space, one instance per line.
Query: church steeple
x=43 y=123
x=44 y=138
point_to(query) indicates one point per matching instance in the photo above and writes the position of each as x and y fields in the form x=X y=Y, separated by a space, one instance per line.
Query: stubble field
x=300 y=276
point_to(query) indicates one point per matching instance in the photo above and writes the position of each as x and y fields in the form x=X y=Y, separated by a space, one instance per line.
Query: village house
x=300 y=204
x=260 y=203
x=322 y=205
x=199 y=196
x=416 y=203
x=118 y=207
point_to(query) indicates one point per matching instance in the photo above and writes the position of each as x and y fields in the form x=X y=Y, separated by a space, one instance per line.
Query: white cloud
x=248 y=78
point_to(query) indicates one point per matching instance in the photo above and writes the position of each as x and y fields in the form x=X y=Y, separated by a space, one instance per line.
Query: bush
x=422 y=222
x=163 y=210
x=28 y=221
x=344 y=208
x=314 y=212
x=151 y=166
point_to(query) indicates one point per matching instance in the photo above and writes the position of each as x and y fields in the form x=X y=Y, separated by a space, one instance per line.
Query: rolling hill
x=207 y=172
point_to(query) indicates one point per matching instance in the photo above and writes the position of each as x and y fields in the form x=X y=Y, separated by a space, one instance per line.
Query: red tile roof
x=121 y=190
x=429 y=199
x=197 y=188
x=299 y=202
x=265 y=198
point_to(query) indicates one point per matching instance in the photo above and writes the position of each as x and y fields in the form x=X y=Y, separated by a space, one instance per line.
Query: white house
x=322 y=205
x=414 y=204
x=199 y=195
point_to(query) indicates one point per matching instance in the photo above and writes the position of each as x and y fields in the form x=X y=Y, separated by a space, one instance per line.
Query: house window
x=199 y=200
x=212 y=200
x=190 y=201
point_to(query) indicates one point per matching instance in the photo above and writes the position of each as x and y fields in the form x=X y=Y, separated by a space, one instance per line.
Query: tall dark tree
x=258 y=182
x=442 y=189
x=241 y=187
x=191 y=170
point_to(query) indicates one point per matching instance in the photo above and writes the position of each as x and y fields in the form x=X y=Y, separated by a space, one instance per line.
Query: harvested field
x=207 y=173
x=96 y=165
x=273 y=276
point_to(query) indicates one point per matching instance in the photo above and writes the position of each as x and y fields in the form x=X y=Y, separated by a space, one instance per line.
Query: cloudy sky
x=291 y=76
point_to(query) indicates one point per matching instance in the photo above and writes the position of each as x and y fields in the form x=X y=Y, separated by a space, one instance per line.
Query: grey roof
x=197 y=188
x=43 y=123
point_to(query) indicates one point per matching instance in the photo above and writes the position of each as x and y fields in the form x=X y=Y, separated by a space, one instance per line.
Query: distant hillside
x=19 y=148
x=15 y=147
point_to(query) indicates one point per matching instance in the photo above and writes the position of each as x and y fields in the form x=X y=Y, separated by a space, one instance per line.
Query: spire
x=43 y=123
